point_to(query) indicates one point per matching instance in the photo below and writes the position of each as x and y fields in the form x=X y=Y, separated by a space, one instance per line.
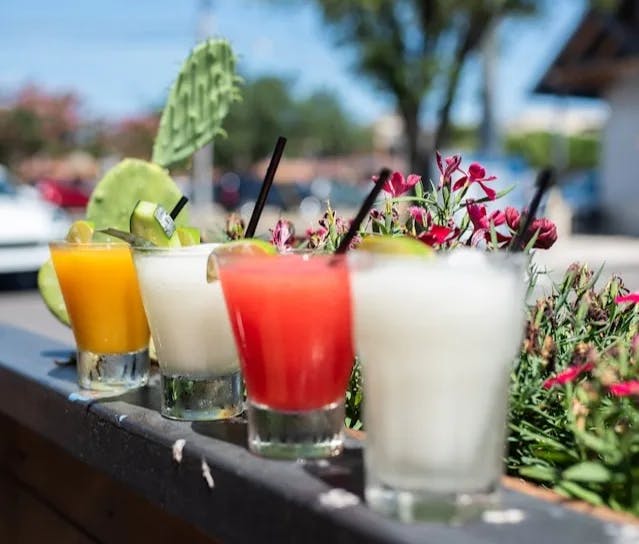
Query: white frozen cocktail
x=191 y=333
x=436 y=337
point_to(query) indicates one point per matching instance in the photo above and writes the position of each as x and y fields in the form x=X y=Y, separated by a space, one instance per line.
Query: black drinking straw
x=543 y=182
x=382 y=178
x=178 y=207
x=266 y=187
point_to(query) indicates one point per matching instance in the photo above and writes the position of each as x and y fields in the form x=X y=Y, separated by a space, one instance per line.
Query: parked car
x=63 y=194
x=27 y=225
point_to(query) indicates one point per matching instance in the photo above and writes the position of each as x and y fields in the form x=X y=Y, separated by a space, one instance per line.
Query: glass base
x=413 y=505
x=296 y=435
x=202 y=399
x=113 y=371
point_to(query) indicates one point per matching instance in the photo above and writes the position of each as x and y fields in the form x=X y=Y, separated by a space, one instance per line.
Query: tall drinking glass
x=290 y=315
x=199 y=369
x=437 y=338
x=101 y=293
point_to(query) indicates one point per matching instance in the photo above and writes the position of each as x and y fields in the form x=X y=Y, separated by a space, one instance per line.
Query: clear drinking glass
x=291 y=316
x=437 y=338
x=200 y=375
x=102 y=296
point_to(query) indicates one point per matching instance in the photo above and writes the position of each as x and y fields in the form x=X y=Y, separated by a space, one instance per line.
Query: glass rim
x=195 y=249
x=66 y=243
x=446 y=259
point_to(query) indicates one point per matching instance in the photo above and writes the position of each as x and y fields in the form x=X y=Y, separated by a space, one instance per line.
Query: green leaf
x=588 y=471
x=539 y=472
x=575 y=490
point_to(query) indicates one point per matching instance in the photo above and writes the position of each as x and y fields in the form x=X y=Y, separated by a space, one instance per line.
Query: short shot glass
x=291 y=318
x=101 y=293
x=200 y=374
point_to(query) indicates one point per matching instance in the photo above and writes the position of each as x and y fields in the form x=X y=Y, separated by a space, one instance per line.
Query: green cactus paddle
x=199 y=100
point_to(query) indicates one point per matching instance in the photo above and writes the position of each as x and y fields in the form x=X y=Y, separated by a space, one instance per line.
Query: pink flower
x=477 y=174
x=547 y=232
x=451 y=166
x=397 y=185
x=568 y=375
x=630 y=297
x=283 y=235
x=624 y=389
x=482 y=222
x=419 y=215
x=547 y=229
x=436 y=235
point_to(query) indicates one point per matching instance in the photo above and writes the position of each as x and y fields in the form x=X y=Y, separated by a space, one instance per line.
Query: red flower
x=419 y=215
x=477 y=174
x=624 y=389
x=436 y=235
x=397 y=185
x=630 y=297
x=547 y=230
x=568 y=375
x=452 y=166
x=512 y=217
x=482 y=222
x=283 y=235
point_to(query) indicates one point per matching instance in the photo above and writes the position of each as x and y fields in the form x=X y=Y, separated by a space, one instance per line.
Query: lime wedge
x=395 y=245
x=189 y=236
x=251 y=246
x=51 y=293
x=81 y=232
x=153 y=223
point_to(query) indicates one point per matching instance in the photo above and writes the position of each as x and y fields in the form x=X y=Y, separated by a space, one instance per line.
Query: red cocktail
x=291 y=317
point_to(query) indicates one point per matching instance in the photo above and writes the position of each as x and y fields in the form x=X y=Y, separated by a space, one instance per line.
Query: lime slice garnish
x=153 y=223
x=81 y=232
x=189 y=236
x=395 y=245
x=251 y=246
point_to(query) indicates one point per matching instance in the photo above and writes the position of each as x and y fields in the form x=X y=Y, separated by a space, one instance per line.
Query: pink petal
x=630 y=297
x=490 y=193
x=568 y=375
x=624 y=389
x=412 y=180
x=460 y=183
x=395 y=186
x=476 y=171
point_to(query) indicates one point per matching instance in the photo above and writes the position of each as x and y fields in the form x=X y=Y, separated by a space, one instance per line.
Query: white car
x=27 y=225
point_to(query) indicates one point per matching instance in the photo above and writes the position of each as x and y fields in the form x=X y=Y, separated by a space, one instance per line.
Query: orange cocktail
x=102 y=295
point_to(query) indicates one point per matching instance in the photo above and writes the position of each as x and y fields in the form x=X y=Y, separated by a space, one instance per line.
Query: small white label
x=165 y=221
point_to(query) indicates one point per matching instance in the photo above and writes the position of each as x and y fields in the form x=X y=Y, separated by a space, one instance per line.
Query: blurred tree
x=409 y=47
x=583 y=149
x=134 y=136
x=36 y=121
x=315 y=126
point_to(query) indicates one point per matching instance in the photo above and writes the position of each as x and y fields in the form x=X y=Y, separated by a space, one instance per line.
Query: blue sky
x=121 y=55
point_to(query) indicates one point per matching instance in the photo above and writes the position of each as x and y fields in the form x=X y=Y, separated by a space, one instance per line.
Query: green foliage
x=315 y=126
x=198 y=101
x=537 y=147
x=577 y=437
x=409 y=48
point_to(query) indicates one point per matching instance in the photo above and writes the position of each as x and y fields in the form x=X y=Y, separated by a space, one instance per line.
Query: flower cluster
x=575 y=392
x=445 y=216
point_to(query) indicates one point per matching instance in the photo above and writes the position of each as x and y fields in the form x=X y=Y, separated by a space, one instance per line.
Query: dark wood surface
x=252 y=499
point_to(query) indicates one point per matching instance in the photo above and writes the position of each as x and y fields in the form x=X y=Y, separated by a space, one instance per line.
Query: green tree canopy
x=315 y=126
x=411 y=47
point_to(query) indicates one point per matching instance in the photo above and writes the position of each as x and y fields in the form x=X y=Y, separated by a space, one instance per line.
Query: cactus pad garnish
x=199 y=100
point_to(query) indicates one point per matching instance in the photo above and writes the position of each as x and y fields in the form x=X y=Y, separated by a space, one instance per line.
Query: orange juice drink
x=102 y=295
